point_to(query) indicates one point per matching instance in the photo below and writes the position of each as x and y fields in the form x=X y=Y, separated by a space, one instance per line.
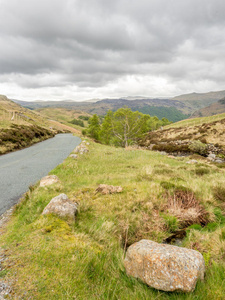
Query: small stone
x=163 y=153
x=192 y=161
x=212 y=156
x=61 y=206
x=105 y=189
x=73 y=156
x=165 y=267
x=49 y=180
x=219 y=161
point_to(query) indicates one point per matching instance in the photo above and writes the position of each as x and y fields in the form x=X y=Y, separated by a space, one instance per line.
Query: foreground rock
x=165 y=267
x=81 y=149
x=61 y=206
x=108 y=189
x=49 y=180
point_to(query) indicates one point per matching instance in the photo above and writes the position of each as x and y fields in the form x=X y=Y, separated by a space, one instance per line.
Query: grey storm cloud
x=91 y=43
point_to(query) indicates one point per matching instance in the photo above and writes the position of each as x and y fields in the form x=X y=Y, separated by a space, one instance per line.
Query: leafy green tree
x=106 y=132
x=123 y=127
x=128 y=126
x=94 y=127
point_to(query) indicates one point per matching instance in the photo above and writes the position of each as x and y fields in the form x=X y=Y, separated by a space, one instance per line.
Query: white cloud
x=75 y=49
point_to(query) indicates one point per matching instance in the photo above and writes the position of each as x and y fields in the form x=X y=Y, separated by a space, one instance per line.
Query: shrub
x=84 y=132
x=77 y=122
x=198 y=147
x=85 y=118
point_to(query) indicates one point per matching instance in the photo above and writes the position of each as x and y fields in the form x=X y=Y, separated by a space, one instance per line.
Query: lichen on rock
x=165 y=267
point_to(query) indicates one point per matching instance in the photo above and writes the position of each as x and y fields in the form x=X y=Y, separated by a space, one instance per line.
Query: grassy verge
x=51 y=258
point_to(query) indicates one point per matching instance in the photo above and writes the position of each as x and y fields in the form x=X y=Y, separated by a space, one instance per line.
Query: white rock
x=61 y=206
x=49 y=180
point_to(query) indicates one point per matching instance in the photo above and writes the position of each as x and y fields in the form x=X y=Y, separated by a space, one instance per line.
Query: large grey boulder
x=61 y=206
x=49 y=180
x=165 y=267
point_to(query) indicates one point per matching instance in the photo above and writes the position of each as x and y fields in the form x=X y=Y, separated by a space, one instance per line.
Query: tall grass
x=52 y=258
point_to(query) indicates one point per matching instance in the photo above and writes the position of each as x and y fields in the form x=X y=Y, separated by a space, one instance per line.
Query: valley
x=174 y=194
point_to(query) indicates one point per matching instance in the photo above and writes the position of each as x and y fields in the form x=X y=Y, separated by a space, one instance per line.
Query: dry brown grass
x=185 y=206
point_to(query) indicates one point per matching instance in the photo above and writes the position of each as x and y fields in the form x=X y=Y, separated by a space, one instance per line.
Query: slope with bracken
x=208 y=132
x=21 y=127
x=213 y=109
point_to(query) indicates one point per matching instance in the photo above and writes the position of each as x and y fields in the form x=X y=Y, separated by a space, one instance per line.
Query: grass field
x=52 y=258
x=64 y=115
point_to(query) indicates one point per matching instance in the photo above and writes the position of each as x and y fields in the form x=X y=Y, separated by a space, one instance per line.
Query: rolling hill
x=200 y=100
x=173 y=110
x=21 y=127
x=206 y=132
x=213 y=109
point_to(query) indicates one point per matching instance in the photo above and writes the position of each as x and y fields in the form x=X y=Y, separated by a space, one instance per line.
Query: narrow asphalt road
x=19 y=170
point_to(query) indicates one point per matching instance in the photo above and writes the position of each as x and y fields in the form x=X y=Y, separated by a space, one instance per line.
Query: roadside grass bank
x=20 y=136
x=53 y=258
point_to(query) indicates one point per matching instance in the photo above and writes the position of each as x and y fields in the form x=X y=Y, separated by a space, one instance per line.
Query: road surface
x=20 y=169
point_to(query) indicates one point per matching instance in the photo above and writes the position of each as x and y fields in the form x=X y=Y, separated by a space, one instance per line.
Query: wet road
x=20 y=169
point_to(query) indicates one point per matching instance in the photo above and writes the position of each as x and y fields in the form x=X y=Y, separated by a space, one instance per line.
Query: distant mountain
x=200 y=100
x=211 y=110
x=173 y=110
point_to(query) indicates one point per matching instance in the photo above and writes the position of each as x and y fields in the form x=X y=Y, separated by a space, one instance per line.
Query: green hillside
x=171 y=113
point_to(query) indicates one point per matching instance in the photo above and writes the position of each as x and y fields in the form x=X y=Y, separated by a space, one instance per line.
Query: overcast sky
x=84 y=49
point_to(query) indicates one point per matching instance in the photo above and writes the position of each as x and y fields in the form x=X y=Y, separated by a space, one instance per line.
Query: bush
x=198 y=147
x=77 y=122
x=85 y=118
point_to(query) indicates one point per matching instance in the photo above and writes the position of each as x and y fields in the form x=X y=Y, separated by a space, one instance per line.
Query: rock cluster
x=82 y=148
x=212 y=157
x=211 y=150
x=165 y=267
x=105 y=189
x=61 y=206
x=49 y=180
